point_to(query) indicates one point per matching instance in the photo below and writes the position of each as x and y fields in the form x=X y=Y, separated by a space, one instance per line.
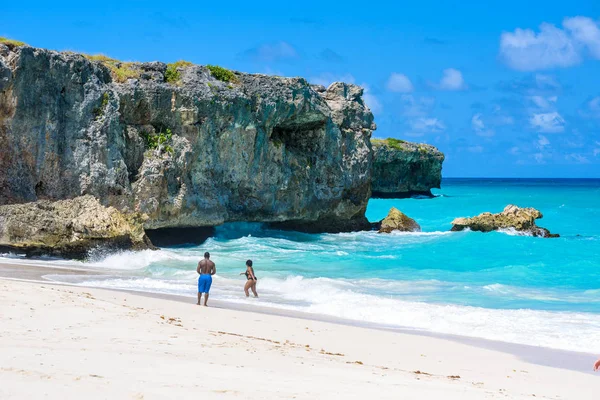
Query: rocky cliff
x=69 y=228
x=188 y=145
x=403 y=169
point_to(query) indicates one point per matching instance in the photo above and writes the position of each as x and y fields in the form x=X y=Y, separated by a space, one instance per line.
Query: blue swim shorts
x=204 y=282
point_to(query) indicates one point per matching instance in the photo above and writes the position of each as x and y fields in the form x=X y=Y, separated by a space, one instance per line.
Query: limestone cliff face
x=192 y=152
x=402 y=169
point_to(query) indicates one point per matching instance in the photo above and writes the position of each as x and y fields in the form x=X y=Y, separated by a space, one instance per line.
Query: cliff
x=187 y=145
x=402 y=169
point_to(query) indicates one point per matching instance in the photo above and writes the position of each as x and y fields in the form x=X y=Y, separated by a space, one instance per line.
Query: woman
x=251 y=279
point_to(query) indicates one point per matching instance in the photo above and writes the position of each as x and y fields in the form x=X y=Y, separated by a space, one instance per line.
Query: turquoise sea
x=498 y=285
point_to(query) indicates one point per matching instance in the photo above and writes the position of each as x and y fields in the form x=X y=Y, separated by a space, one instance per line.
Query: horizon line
x=509 y=177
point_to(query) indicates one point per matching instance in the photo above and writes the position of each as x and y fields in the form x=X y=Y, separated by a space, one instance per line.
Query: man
x=206 y=269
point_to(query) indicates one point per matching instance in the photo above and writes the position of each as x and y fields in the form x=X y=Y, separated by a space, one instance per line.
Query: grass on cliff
x=222 y=74
x=160 y=140
x=120 y=71
x=11 y=43
x=396 y=144
x=172 y=74
x=98 y=111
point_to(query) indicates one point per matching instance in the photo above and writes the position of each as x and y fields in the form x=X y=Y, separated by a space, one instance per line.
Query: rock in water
x=69 y=228
x=187 y=145
x=396 y=220
x=521 y=220
x=404 y=169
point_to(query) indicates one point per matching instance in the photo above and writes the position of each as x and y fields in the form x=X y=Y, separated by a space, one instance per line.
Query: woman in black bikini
x=251 y=279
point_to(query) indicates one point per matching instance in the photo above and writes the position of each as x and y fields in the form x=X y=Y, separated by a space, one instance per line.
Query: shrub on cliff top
x=172 y=75
x=390 y=142
x=11 y=43
x=222 y=74
x=121 y=71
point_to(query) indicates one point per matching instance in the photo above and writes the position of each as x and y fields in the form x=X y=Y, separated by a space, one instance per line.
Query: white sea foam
x=434 y=233
x=514 y=232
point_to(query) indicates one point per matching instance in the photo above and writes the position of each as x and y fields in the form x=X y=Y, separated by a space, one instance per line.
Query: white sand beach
x=70 y=342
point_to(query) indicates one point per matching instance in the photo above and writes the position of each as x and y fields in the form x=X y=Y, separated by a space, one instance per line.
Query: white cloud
x=373 y=103
x=542 y=141
x=371 y=100
x=544 y=102
x=539 y=158
x=477 y=123
x=591 y=108
x=500 y=117
x=586 y=31
x=551 y=47
x=594 y=106
x=514 y=150
x=399 y=83
x=577 y=158
x=416 y=106
x=546 y=82
x=551 y=122
x=505 y=120
x=421 y=126
x=452 y=80
x=479 y=127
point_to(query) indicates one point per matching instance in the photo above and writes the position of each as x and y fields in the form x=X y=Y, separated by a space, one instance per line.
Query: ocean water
x=497 y=285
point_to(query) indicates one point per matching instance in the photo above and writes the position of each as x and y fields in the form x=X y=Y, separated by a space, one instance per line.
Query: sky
x=504 y=88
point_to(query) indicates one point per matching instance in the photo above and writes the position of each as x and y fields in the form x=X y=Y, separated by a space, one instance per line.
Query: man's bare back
x=206 y=266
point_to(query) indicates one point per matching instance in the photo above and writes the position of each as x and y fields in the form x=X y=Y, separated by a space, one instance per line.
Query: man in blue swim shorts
x=206 y=269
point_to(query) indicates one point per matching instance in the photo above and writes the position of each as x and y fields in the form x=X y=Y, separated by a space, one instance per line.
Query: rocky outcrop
x=69 y=228
x=522 y=220
x=181 y=146
x=396 y=220
x=403 y=169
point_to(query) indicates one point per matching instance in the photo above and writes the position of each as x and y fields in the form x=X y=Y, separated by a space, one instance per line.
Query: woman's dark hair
x=249 y=263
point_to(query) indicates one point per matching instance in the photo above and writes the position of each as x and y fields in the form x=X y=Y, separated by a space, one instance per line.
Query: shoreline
x=74 y=342
x=34 y=272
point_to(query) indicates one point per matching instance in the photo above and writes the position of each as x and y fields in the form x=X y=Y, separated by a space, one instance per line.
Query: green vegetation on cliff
x=121 y=71
x=160 y=140
x=98 y=111
x=11 y=42
x=172 y=74
x=390 y=142
x=222 y=74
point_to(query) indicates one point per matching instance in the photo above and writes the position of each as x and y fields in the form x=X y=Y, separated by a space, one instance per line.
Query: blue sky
x=504 y=88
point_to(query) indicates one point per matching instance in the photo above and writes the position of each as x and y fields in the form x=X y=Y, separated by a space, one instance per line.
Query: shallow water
x=497 y=285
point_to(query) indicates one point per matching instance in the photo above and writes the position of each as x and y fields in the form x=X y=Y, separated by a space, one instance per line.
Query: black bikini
x=248 y=275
